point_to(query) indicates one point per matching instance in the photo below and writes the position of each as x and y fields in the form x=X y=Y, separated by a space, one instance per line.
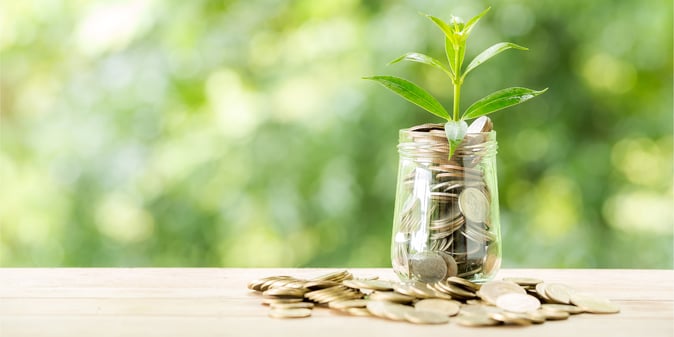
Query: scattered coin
x=290 y=313
x=358 y=311
x=540 y=291
x=444 y=307
x=285 y=292
x=511 y=318
x=270 y=301
x=348 y=304
x=296 y=305
x=425 y=317
x=392 y=311
x=572 y=309
x=369 y=284
x=461 y=282
x=554 y=315
x=516 y=302
x=475 y=320
x=594 y=304
x=390 y=296
x=536 y=317
x=559 y=293
x=492 y=290
x=501 y=302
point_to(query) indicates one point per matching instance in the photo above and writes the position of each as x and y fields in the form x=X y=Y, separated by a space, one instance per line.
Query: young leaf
x=447 y=29
x=471 y=23
x=455 y=130
x=455 y=54
x=412 y=93
x=489 y=53
x=422 y=58
x=500 y=100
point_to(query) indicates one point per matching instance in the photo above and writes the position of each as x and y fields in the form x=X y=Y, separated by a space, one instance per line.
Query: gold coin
x=492 y=290
x=348 y=304
x=478 y=309
x=461 y=282
x=516 y=302
x=390 y=297
x=535 y=317
x=523 y=281
x=388 y=310
x=336 y=276
x=290 y=313
x=510 y=318
x=540 y=291
x=475 y=320
x=554 y=315
x=558 y=293
x=358 y=311
x=270 y=301
x=594 y=304
x=416 y=289
x=444 y=307
x=425 y=317
x=258 y=283
x=285 y=292
x=369 y=284
x=454 y=291
x=572 y=309
x=474 y=205
x=321 y=284
x=295 y=305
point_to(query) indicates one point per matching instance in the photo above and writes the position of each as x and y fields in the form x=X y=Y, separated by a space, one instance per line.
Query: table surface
x=215 y=302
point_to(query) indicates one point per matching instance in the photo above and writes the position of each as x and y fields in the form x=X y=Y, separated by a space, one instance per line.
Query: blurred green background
x=239 y=133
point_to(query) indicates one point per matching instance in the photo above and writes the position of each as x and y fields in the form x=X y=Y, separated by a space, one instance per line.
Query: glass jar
x=446 y=219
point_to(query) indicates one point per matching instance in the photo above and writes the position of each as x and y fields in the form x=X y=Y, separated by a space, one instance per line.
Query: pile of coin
x=446 y=221
x=511 y=301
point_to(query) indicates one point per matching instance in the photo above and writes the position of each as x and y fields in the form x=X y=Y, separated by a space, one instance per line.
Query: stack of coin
x=511 y=301
x=445 y=223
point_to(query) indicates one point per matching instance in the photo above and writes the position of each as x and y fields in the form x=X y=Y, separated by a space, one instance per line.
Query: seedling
x=456 y=34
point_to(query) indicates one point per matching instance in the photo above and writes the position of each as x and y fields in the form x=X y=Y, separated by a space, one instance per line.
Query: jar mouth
x=429 y=127
x=428 y=142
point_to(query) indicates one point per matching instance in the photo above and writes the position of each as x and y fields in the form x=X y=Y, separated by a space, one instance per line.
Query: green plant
x=456 y=33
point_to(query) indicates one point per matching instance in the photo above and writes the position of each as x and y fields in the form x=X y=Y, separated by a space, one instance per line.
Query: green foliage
x=456 y=34
x=412 y=93
x=238 y=133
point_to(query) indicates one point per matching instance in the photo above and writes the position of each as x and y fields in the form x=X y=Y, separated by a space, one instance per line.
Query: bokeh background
x=240 y=133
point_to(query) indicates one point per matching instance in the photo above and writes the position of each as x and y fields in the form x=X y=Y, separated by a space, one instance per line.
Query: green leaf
x=500 y=100
x=455 y=130
x=455 y=54
x=412 y=93
x=422 y=58
x=446 y=28
x=471 y=23
x=489 y=53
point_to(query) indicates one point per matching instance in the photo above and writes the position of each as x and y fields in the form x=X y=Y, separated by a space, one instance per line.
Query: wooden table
x=215 y=302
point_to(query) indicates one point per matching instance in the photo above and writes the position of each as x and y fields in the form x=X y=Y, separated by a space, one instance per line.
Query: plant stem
x=457 y=99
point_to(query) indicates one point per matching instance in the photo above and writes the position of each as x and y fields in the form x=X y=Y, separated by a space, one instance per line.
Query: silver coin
x=474 y=205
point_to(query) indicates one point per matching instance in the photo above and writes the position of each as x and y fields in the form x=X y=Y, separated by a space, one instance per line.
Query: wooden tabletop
x=215 y=302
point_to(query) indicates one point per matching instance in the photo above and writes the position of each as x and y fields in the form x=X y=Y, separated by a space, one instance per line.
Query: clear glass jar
x=446 y=219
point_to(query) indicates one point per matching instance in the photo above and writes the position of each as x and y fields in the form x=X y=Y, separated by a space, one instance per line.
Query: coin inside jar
x=474 y=205
x=428 y=267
